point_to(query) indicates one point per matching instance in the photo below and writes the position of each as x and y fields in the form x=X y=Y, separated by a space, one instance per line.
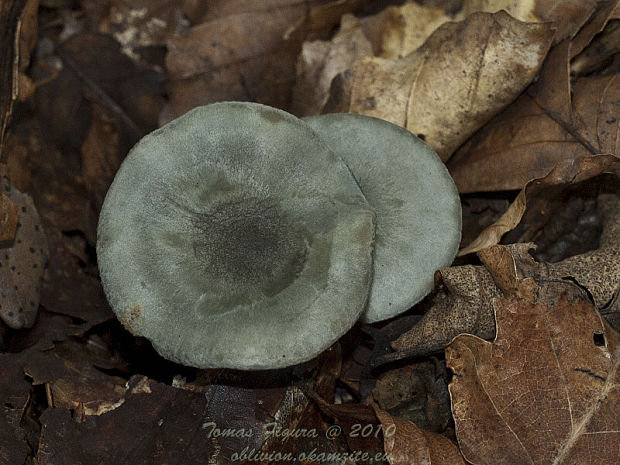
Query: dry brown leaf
x=545 y=391
x=464 y=74
x=228 y=58
x=73 y=382
x=566 y=16
x=463 y=304
x=157 y=423
x=417 y=393
x=142 y=23
x=406 y=444
x=10 y=24
x=549 y=125
x=219 y=60
x=601 y=51
x=22 y=265
x=463 y=307
x=87 y=391
x=100 y=154
x=507 y=267
x=598 y=271
x=397 y=31
x=571 y=172
x=319 y=61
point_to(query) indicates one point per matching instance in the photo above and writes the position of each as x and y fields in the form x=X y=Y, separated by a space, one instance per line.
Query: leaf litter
x=94 y=76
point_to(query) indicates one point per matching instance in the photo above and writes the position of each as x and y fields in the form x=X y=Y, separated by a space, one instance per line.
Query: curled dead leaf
x=571 y=172
x=463 y=306
x=464 y=301
x=551 y=125
x=319 y=61
x=407 y=444
x=598 y=271
x=463 y=74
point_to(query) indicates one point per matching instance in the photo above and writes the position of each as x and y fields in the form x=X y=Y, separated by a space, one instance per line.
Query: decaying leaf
x=407 y=444
x=72 y=380
x=154 y=421
x=545 y=391
x=418 y=393
x=15 y=396
x=548 y=126
x=465 y=306
x=349 y=417
x=463 y=74
x=22 y=265
x=69 y=289
x=160 y=423
x=319 y=61
x=227 y=57
x=599 y=52
x=10 y=24
x=100 y=155
x=128 y=91
x=573 y=171
x=598 y=271
x=63 y=201
x=397 y=31
x=566 y=16
x=144 y=23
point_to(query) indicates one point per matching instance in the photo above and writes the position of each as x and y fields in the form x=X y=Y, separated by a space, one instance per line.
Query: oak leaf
x=545 y=391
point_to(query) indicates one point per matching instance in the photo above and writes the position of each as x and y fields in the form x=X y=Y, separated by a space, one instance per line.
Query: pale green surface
x=232 y=237
x=416 y=202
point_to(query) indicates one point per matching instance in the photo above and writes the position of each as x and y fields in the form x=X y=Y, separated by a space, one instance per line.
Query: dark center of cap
x=251 y=243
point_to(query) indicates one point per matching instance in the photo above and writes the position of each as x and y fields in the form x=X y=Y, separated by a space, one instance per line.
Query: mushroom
x=416 y=202
x=232 y=237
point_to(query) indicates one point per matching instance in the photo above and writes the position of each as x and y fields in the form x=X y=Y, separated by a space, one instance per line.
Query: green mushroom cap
x=416 y=202
x=233 y=237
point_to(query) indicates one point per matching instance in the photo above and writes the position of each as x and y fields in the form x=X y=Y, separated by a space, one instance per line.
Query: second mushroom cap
x=416 y=202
